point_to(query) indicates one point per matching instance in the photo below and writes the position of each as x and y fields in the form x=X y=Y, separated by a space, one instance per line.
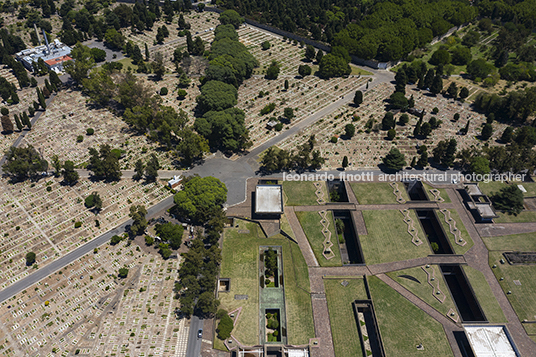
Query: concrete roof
x=490 y=341
x=485 y=210
x=268 y=199
x=473 y=189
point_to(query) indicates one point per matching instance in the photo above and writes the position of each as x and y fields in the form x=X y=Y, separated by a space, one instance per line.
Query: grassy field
x=403 y=326
x=458 y=249
x=517 y=242
x=302 y=193
x=376 y=193
x=523 y=217
x=240 y=263
x=424 y=290
x=442 y=193
x=523 y=297
x=495 y=186
x=310 y=222
x=359 y=71
x=388 y=239
x=341 y=316
x=485 y=296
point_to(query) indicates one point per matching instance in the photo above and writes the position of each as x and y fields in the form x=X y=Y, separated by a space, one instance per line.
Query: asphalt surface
x=194 y=342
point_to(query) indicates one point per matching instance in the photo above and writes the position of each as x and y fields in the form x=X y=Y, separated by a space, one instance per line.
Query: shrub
x=268 y=108
x=181 y=93
x=149 y=240
x=79 y=138
x=115 y=239
x=225 y=327
x=391 y=134
x=30 y=258
x=435 y=246
x=49 y=189
x=278 y=127
x=163 y=91
x=334 y=139
x=77 y=224
x=90 y=131
x=123 y=273
x=89 y=201
x=435 y=110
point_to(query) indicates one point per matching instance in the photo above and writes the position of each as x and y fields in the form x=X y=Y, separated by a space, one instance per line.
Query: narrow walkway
x=357 y=207
x=477 y=257
x=503 y=229
x=321 y=319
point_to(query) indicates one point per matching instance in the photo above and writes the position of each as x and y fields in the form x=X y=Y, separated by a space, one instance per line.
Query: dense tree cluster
x=515 y=106
x=24 y=162
x=104 y=163
x=200 y=197
x=221 y=124
x=275 y=159
x=382 y=30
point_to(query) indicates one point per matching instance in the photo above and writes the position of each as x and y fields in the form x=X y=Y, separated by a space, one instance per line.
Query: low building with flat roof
x=269 y=199
x=54 y=55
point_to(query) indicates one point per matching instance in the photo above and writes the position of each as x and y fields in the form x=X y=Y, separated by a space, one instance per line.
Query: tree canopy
x=24 y=162
x=200 y=197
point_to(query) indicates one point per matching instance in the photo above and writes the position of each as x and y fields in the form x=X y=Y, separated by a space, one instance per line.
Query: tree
x=398 y=101
x=319 y=56
x=480 y=165
x=207 y=304
x=151 y=170
x=82 y=64
x=200 y=196
x=304 y=70
x=56 y=164
x=25 y=120
x=137 y=213
x=123 y=273
x=358 y=98
x=437 y=85
x=171 y=233
x=333 y=66
x=464 y=93
x=104 y=163
x=450 y=153
x=17 y=122
x=394 y=160
x=452 y=90
x=288 y=113
x=404 y=119
x=30 y=258
x=417 y=129
x=423 y=159
x=266 y=45
x=93 y=201
x=98 y=54
x=41 y=98
x=158 y=65
x=391 y=134
x=70 y=176
x=139 y=169
x=147 y=55
x=231 y=17
x=115 y=240
x=192 y=146
x=198 y=47
x=426 y=129
x=487 y=131
x=310 y=52
x=273 y=71
x=429 y=78
x=24 y=162
x=440 y=57
x=224 y=129
x=461 y=56
x=216 y=95
x=349 y=130
x=479 y=68
x=509 y=199
x=7 y=124
x=507 y=134
x=149 y=240
x=345 y=162
x=388 y=121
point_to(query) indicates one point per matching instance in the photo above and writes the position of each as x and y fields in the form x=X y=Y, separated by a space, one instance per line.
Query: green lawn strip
x=403 y=326
x=310 y=222
x=285 y=226
x=525 y=242
x=341 y=316
x=240 y=263
x=377 y=193
x=458 y=249
x=302 y=193
x=523 y=297
x=126 y=62
x=442 y=193
x=495 y=186
x=388 y=239
x=359 y=71
x=523 y=217
x=530 y=328
x=423 y=290
x=484 y=295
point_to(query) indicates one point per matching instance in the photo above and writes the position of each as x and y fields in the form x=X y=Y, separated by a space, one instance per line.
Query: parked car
x=200 y=333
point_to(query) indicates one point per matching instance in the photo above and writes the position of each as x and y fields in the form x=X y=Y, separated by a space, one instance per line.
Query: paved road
x=194 y=342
